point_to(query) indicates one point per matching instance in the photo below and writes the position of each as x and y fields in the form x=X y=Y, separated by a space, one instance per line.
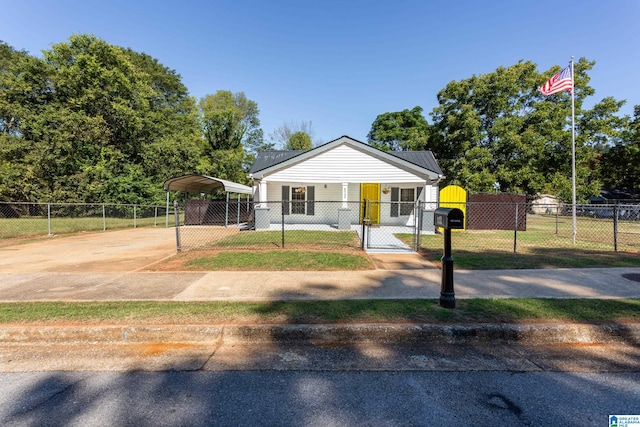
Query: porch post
x=345 y=195
x=262 y=193
x=262 y=218
x=428 y=208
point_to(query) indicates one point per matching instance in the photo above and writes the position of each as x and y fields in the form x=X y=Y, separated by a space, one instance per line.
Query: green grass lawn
x=351 y=311
x=540 y=246
x=280 y=260
x=294 y=238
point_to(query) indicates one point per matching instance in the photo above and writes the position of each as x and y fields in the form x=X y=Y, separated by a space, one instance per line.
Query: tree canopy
x=497 y=127
x=299 y=141
x=92 y=122
x=229 y=122
x=621 y=162
x=400 y=130
x=282 y=135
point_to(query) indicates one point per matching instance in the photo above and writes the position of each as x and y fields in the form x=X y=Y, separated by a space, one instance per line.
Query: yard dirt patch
x=110 y=251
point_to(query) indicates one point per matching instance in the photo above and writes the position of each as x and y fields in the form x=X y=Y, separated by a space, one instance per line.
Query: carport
x=203 y=184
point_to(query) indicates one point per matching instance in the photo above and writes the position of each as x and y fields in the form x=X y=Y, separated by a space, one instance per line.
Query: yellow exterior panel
x=454 y=196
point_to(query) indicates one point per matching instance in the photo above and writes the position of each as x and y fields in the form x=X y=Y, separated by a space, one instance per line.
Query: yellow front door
x=370 y=192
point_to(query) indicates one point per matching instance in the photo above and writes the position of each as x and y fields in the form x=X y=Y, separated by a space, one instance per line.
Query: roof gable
x=270 y=161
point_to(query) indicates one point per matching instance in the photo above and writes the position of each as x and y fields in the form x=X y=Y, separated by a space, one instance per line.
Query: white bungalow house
x=299 y=184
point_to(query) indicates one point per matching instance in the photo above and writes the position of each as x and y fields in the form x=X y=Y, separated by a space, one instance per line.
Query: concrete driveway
x=110 y=251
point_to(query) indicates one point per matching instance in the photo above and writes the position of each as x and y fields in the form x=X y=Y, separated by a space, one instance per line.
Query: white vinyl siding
x=343 y=164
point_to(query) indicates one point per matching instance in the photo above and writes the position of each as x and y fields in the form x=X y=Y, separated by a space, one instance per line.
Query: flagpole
x=573 y=151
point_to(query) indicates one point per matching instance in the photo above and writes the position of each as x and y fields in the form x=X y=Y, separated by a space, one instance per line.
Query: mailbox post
x=448 y=219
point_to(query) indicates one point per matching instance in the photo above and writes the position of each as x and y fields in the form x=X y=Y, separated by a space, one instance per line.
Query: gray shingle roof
x=269 y=158
x=423 y=159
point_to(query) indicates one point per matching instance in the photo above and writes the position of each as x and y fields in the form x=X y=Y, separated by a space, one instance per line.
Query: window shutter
x=285 y=200
x=311 y=204
x=395 y=197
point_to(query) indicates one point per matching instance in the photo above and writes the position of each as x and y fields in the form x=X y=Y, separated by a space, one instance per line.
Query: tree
x=400 y=130
x=229 y=122
x=282 y=135
x=299 y=141
x=621 y=163
x=527 y=135
x=89 y=119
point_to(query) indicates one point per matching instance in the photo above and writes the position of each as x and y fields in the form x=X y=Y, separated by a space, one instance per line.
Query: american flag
x=558 y=83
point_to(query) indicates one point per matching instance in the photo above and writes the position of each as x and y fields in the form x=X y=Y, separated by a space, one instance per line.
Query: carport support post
x=166 y=225
x=238 y=223
x=447 y=294
x=226 y=213
x=177 y=216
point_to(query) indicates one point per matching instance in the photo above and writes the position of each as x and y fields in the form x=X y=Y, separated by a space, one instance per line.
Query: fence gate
x=398 y=230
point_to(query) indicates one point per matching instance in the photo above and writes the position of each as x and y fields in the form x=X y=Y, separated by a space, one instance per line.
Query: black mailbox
x=448 y=218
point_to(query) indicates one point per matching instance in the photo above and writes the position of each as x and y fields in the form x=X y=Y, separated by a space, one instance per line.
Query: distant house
x=545 y=204
x=345 y=172
x=616 y=196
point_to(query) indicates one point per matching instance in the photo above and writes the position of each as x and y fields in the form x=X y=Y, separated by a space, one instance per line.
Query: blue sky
x=341 y=63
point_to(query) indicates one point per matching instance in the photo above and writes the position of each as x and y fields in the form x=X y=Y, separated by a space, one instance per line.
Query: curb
x=324 y=334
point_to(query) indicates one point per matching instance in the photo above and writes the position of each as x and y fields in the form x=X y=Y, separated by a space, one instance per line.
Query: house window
x=298 y=200
x=407 y=198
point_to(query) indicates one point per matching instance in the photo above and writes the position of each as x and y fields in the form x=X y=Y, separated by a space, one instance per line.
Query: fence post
x=557 y=213
x=104 y=219
x=414 y=240
x=134 y=216
x=282 y=225
x=515 y=232
x=615 y=227
x=177 y=216
x=49 y=218
x=364 y=218
x=238 y=207
x=419 y=225
x=155 y=217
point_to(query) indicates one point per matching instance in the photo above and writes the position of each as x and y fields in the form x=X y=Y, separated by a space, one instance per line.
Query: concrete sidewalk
x=114 y=267
x=314 y=285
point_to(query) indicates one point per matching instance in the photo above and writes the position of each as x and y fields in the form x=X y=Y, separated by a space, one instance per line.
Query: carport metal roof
x=204 y=184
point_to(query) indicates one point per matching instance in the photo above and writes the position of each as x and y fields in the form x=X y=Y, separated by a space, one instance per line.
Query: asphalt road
x=316 y=398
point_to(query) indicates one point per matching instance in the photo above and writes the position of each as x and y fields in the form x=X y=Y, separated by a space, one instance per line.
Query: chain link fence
x=316 y=225
x=24 y=220
x=248 y=225
x=524 y=227
x=402 y=226
x=327 y=225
